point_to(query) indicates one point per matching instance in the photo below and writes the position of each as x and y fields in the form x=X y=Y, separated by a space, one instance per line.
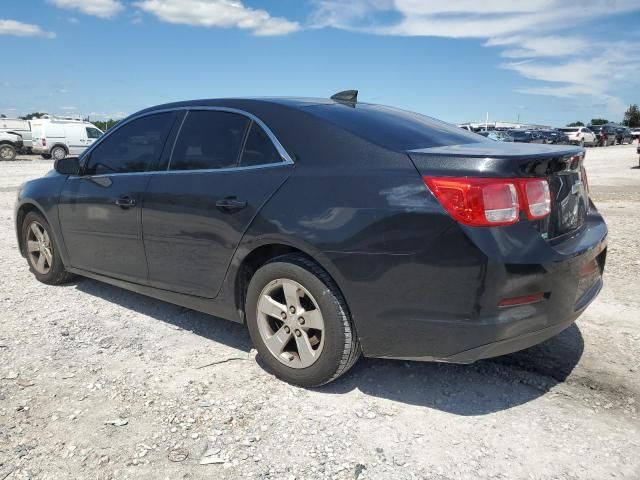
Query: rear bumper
x=518 y=342
x=441 y=304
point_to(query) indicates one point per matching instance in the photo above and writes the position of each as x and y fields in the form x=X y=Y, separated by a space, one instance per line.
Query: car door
x=224 y=167
x=93 y=134
x=100 y=210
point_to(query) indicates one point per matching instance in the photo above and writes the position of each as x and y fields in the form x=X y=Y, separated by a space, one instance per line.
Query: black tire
x=58 y=152
x=341 y=347
x=57 y=274
x=46 y=156
x=7 y=152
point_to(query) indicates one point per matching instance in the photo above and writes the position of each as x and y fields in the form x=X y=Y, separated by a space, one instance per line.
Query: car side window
x=259 y=149
x=93 y=132
x=132 y=147
x=209 y=139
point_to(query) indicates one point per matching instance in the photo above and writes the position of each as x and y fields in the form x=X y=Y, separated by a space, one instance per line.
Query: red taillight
x=44 y=142
x=583 y=172
x=538 y=198
x=486 y=202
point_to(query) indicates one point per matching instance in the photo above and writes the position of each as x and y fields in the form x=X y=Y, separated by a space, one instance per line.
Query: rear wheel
x=299 y=322
x=58 y=152
x=42 y=252
x=7 y=152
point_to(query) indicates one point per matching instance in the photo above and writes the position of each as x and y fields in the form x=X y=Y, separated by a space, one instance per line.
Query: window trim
x=286 y=158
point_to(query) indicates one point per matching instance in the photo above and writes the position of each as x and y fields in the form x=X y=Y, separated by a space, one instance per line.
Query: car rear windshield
x=393 y=128
x=568 y=129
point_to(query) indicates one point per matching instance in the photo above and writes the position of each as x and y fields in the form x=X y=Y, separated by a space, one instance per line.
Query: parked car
x=19 y=127
x=526 y=136
x=605 y=134
x=57 y=138
x=332 y=228
x=555 y=137
x=582 y=136
x=623 y=135
x=497 y=136
x=10 y=145
x=635 y=133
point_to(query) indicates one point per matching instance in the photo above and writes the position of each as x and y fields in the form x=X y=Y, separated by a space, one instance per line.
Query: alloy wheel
x=290 y=323
x=39 y=248
x=58 y=153
x=6 y=152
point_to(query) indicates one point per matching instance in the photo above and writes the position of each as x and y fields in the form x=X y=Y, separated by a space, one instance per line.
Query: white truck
x=57 y=137
x=10 y=145
x=19 y=127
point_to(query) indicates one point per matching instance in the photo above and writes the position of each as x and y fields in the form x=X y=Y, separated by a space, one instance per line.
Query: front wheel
x=7 y=152
x=299 y=322
x=41 y=251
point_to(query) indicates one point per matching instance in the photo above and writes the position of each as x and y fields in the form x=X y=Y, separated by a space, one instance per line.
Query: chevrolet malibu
x=331 y=228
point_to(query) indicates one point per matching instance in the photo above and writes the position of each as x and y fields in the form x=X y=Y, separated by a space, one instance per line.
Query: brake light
x=538 y=198
x=487 y=202
x=583 y=171
x=44 y=142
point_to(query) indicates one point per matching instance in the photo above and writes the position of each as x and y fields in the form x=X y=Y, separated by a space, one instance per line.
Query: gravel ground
x=100 y=383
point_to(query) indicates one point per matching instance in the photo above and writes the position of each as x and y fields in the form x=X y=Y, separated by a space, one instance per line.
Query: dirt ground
x=100 y=383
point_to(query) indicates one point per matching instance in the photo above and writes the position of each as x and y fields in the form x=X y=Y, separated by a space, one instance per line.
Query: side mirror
x=67 y=166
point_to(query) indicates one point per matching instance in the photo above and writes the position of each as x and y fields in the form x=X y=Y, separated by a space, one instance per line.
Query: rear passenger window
x=209 y=140
x=134 y=147
x=259 y=150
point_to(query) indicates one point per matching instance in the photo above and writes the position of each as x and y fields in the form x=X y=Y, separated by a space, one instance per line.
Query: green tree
x=575 y=124
x=599 y=121
x=632 y=116
x=104 y=126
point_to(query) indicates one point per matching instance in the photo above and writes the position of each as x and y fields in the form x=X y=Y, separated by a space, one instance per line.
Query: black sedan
x=331 y=228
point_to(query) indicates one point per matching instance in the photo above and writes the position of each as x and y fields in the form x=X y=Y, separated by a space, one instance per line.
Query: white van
x=57 y=138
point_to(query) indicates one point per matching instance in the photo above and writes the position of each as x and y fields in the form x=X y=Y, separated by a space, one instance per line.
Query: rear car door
x=224 y=167
x=100 y=210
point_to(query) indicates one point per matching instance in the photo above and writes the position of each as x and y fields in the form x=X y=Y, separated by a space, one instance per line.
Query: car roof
x=294 y=120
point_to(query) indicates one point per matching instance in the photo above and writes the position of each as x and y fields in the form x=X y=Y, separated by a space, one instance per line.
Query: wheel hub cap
x=290 y=323
x=39 y=248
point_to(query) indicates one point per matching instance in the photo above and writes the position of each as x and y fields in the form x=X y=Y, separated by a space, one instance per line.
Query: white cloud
x=98 y=8
x=19 y=29
x=535 y=33
x=218 y=13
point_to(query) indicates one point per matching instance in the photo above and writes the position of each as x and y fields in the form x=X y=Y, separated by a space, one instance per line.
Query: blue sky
x=546 y=61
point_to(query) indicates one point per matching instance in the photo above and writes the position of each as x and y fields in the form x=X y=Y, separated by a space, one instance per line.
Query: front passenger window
x=134 y=147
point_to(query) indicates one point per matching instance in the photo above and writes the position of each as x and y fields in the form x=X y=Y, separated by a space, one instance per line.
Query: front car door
x=93 y=134
x=224 y=167
x=100 y=210
x=75 y=138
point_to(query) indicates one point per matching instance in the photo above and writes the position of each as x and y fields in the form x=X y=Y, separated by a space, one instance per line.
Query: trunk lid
x=562 y=166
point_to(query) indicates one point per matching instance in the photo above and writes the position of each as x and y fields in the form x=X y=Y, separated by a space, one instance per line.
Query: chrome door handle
x=230 y=204
x=125 y=201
